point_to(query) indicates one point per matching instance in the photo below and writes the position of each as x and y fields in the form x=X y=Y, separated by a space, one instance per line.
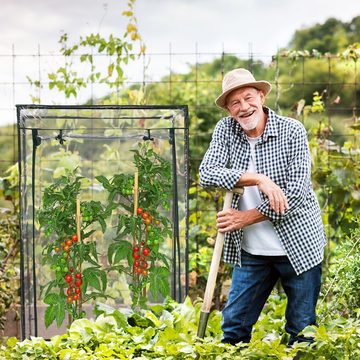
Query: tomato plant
x=65 y=253
x=141 y=231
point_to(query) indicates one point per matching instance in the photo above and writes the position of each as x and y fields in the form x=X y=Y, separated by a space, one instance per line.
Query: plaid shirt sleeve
x=214 y=169
x=298 y=175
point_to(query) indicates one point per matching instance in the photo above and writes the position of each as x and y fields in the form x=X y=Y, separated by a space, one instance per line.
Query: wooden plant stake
x=136 y=192
x=136 y=203
x=78 y=233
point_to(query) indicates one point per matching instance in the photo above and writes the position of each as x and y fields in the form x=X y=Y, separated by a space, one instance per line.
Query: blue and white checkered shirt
x=283 y=155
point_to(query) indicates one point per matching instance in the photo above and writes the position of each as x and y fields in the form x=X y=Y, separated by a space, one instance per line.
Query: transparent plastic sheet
x=98 y=140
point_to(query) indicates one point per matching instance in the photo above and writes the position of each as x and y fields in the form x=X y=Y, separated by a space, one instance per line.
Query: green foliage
x=8 y=147
x=332 y=36
x=55 y=310
x=342 y=287
x=9 y=244
x=300 y=73
x=335 y=173
x=168 y=331
x=118 y=50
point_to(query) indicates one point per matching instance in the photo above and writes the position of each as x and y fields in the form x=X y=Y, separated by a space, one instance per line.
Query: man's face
x=245 y=106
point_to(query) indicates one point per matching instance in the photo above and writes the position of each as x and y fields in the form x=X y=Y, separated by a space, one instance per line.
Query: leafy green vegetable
x=168 y=331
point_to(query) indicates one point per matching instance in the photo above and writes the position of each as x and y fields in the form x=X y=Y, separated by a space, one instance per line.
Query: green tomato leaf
x=51 y=299
x=91 y=277
x=92 y=248
x=50 y=314
x=118 y=251
x=159 y=282
x=103 y=277
x=55 y=310
x=102 y=223
x=60 y=313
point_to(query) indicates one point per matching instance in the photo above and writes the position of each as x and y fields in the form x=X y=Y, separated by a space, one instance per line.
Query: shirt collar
x=271 y=126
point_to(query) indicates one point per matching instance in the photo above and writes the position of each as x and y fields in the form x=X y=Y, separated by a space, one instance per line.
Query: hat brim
x=263 y=86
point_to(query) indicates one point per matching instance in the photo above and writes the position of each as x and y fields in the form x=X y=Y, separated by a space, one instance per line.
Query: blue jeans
x=252 y=284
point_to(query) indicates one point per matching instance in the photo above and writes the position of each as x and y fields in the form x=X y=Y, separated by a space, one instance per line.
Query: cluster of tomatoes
x=148 y=218
x=74 y=282
x=67 y=244
x=140 y=255
x=128 y=187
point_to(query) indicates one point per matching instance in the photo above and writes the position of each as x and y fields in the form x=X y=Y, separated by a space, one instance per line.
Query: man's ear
x=262 y=97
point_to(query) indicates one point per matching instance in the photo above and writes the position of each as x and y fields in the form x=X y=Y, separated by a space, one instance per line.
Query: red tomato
x=136 y=256
x=78 y=275
x=69 y=243
x=68 y=278
x=136 y=249
x=138 y=270
x=69 y=291
x=77 y=291
x=144 y=264
x=71 y=270
x=139 y=211
x=136 y=263
x=78 y=283
x=74 y=238
x=146 y=251
x=76 y=297
x=145 y=215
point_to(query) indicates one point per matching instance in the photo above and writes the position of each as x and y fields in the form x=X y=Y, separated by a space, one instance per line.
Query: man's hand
x=276 y=196
x=230 y=220
x=274 y=193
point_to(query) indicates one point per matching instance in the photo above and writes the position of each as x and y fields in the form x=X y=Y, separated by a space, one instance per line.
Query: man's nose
x=243 y=105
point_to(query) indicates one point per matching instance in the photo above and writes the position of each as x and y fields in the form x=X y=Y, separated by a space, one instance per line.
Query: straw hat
x=239 y=78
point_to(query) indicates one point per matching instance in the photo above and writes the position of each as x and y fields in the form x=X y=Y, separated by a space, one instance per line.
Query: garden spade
x=214 y=267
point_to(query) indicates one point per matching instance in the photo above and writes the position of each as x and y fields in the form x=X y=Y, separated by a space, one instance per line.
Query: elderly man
x=274 y=231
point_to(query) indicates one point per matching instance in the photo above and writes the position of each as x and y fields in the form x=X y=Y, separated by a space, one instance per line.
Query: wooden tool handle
x=214 y=267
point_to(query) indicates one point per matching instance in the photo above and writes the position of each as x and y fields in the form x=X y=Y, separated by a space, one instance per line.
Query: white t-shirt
x=260 y=238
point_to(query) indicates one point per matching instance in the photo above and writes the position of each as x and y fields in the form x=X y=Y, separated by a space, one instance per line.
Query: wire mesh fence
x=194 y=78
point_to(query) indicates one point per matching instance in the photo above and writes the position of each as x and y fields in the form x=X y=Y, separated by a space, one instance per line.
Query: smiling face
x=246 y=107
